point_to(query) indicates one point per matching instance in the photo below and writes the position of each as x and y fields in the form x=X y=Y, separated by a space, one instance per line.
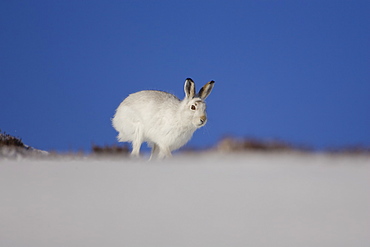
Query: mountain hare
x=161 y=119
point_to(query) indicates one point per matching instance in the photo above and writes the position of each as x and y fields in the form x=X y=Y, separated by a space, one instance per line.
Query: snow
x=250 y=199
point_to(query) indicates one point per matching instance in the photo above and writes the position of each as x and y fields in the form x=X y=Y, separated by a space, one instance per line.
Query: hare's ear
x=206 y=90
x=189 y=88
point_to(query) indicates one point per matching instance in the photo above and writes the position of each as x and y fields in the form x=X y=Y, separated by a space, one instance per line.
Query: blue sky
x=297 y=71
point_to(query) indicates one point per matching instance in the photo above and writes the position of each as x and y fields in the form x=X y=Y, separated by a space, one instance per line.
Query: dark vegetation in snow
x=111 y=150
x=232 y=144
x=13 y=147
x=10 y=141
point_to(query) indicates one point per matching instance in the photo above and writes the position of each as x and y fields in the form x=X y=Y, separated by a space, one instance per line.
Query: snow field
x=200 y=200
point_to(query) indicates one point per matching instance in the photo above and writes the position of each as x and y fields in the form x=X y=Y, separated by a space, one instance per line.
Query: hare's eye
x=193 y=107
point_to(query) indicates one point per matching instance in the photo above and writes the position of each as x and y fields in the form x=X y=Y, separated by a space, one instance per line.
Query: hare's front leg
x=164 y=152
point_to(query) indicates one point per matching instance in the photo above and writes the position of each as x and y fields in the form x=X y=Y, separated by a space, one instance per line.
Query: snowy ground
x=201 y=200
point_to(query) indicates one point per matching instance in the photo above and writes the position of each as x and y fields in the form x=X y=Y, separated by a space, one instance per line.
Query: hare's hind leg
x=137 y=140
x=154 y=152
x=135 y=149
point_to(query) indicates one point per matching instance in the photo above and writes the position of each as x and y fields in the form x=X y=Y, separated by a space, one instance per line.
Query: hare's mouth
x=201 y=122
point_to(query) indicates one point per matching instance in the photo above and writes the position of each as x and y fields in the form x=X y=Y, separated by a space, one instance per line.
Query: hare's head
x=194 y=104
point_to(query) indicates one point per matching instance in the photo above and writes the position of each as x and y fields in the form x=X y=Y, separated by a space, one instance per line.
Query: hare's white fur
x=161 y=119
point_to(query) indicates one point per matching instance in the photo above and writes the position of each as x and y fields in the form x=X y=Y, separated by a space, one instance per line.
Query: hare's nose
x=203 y=119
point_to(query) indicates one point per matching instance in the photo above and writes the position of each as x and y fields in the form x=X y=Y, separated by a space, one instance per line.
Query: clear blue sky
x=298 y=71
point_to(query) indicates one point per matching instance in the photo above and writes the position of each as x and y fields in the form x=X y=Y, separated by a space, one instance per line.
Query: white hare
x=161 y=119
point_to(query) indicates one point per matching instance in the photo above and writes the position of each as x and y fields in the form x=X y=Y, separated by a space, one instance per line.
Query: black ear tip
x=211 y=82
x=189 y=79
